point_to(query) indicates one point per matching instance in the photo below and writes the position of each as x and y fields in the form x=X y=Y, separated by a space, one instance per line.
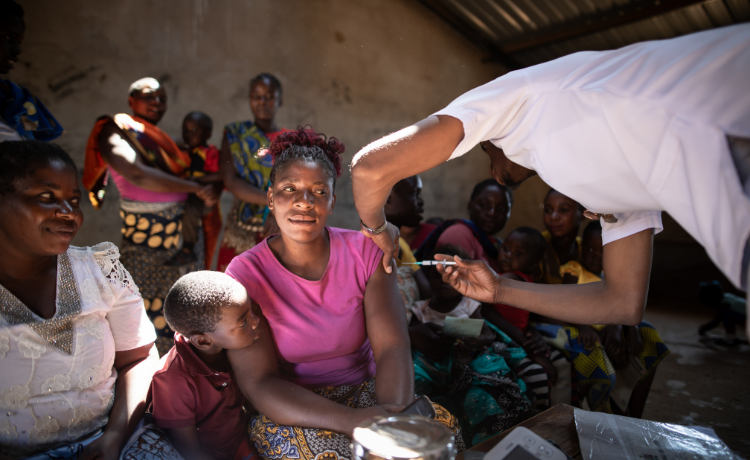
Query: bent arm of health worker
x=619 y=299
x=257 y=372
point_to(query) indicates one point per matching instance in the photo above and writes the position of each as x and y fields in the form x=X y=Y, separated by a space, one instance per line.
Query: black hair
x=487 y=183
x=538 y=243
x=275 y=83
x=552 y=190
x=201 y=118
x=304 y=144
x=19 y=159
x=9 y=8
x=593 y=226
x=193 y=304
x=710 y=293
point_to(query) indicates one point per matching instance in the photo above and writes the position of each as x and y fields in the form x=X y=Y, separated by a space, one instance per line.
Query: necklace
x=57 y=331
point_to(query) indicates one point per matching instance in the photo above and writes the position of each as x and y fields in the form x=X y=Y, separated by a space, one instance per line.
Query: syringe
x=431 y=262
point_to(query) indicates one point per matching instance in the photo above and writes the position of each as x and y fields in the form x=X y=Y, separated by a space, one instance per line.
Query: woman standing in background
x=246 y=170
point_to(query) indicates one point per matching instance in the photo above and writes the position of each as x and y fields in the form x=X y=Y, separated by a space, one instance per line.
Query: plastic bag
x=612 y=437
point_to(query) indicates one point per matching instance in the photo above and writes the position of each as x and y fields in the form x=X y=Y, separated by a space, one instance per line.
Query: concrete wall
x=354 y=69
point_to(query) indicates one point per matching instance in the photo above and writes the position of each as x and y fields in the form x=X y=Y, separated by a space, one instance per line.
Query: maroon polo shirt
x=187 y=392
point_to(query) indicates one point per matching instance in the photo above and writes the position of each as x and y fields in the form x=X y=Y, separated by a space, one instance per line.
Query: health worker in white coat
x=655 y=126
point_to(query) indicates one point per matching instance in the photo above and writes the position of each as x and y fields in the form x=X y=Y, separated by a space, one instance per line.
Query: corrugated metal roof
x=520 y=33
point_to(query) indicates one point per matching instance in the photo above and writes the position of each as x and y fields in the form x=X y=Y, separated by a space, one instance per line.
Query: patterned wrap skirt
x=598 y=383
x=288 y=442
x=150 y=237
x=147 y=443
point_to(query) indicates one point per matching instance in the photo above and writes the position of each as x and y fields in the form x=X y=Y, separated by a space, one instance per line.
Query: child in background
x=614 y=365
x=731 y=310
x=470 y=376
x=591 y=266
x=193 y=397
x=519 y=259
x=197 y=128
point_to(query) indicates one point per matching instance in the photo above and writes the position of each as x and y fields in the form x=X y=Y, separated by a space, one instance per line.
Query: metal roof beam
x=584 y=25
x=470 y=31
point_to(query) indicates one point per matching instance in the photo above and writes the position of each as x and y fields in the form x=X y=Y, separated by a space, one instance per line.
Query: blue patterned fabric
x=478 y=386
x=23 y=112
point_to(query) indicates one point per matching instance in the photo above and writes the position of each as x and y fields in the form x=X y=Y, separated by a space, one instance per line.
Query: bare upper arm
x=412 y=150
x=385 y=314
x=627 y=268
x=252 y=364
x=127 y=358
x=226 y=164
x=117 y=150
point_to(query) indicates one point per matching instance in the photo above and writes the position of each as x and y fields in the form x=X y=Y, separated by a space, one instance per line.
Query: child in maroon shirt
x=193 y=397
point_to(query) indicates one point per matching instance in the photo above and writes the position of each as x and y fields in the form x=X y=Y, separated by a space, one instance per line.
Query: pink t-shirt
x=318 y=326
x=135 y=193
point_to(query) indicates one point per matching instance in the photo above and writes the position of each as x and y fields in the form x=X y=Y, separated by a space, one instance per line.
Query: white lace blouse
x=57 y=379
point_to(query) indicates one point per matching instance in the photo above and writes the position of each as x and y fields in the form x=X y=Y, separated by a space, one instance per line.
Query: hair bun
x=305 y=136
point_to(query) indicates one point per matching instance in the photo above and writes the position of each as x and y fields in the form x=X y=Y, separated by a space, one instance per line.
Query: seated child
x=731 y=310
x=519 y=259
x=193 y=397
x=470 y=376
x=632 y=352
x=204 y=168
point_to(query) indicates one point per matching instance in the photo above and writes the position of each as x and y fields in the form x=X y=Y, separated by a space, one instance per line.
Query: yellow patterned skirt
x=150 y=237
x=290 y=442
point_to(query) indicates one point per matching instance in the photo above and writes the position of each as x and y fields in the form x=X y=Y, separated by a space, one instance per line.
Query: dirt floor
x=700 y=383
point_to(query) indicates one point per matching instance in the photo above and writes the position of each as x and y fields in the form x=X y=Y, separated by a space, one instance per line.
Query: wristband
x=373 y=231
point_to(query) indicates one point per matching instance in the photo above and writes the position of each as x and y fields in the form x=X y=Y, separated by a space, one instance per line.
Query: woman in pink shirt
x=331 y=316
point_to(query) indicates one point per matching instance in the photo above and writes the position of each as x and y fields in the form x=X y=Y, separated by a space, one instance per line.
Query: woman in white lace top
x=76 y=347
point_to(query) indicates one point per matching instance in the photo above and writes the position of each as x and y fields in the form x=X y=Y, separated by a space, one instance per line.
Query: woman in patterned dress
x=245 y=170
x=149 y=171
x=76 y=347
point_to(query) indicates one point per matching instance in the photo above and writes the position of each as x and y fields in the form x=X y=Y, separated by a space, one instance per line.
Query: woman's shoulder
x=457 y=229
x=103 y=250
x=461 y=235
x=350 y=237
x=238 y=125
x=106 y=256
x=355 y=243
x=245 y=263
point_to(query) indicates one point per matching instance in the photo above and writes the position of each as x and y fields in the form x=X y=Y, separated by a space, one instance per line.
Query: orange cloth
x=166 y=156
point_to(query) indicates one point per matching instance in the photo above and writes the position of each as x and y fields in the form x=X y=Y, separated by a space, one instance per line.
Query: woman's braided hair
x=304 y=144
